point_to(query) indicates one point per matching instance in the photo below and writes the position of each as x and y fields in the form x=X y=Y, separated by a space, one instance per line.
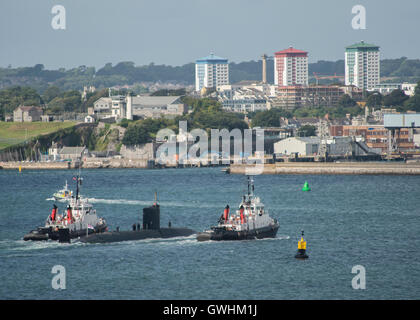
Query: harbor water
x=367 y=220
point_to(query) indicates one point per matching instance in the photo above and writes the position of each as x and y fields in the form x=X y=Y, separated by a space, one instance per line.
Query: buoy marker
x=306 y=187
x=301 y=252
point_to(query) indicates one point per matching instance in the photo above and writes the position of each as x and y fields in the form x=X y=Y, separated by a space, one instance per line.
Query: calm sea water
x=373 y=221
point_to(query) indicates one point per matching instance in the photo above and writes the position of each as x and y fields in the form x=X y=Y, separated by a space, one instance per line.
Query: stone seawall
x=331 y=168
x=89 y=164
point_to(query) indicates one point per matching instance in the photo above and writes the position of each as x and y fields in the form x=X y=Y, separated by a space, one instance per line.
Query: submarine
x=151 y=229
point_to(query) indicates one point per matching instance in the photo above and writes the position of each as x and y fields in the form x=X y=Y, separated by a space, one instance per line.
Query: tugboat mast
x=250 y=186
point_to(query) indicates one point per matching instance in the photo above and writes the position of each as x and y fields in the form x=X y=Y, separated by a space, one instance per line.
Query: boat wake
x=185 y=204
x=176 y=241
x=18 y=248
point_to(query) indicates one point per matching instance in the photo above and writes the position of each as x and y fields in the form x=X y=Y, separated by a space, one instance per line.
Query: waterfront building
x=375 y=136
x=309 y=146
x=291 y=67
x=210 y=72
x=362 y=65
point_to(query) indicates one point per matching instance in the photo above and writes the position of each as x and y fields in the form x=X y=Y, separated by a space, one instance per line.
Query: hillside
x=12 y=133
x=127 y=73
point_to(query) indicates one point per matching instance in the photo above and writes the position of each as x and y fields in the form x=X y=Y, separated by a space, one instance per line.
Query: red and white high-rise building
x=291 y=67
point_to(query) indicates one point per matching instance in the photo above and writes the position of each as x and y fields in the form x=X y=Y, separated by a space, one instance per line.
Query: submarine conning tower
x=151 y=217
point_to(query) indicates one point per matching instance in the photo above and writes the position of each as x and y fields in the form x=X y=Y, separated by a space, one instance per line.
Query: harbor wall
x=351 y=168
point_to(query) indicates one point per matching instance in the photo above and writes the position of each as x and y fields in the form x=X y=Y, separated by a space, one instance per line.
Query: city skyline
x=165 y=32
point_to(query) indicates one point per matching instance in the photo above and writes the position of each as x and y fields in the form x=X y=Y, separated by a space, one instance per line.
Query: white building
x=102 y=105
x=303 y=146
x=291 y=67
x=387 y=88
x=129 y=107
x=243 y=99
x=309 y=146
x=211 y=72
x=154 y=106
x=362 y=65
x=409 y=88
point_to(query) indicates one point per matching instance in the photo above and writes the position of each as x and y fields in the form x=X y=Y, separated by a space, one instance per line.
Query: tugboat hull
x=44 y=234
x=230 y=235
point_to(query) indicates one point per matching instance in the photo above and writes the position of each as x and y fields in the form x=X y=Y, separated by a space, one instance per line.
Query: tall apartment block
x=362 y=65
x=291 y=67
x=210 y=72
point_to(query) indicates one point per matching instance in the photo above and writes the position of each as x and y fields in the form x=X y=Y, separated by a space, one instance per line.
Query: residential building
x=291 y=67
x=210 y=72
x=291 y=97
x=409 y=88
x=243 y=99
x=102 y=106
x=362 y=65
x=27 y=114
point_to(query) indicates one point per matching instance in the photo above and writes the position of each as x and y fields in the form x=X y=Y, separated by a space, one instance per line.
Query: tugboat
x=251 y=221
x=63 y=194
x=79 y=219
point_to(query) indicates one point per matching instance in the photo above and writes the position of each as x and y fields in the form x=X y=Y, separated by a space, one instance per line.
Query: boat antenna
x=155 y=198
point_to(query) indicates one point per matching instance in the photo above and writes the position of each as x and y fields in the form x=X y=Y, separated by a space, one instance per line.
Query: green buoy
x=306 y=187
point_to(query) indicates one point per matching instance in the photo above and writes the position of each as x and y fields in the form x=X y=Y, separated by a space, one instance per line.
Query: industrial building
x=310 y=146
x=375 y=136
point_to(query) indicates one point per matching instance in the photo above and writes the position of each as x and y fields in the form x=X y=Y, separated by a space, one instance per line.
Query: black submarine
x=151 y=229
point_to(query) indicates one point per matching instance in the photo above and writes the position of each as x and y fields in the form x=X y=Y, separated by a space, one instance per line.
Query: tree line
x=127 y=73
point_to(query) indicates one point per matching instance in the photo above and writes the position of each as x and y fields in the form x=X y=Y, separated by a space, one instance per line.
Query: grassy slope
x=15 y=132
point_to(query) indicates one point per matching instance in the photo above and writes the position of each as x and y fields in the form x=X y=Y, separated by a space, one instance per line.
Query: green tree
x=13 y=97
x=50 y=93
x=396 y=98
x=269 y=118
x=374 y=100
x=307 y=131
x=346 y=101
x=413 y=103
x=136 y=135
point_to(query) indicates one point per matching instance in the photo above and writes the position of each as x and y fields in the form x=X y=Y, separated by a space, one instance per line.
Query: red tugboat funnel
x=226 y=213
x=241 y=211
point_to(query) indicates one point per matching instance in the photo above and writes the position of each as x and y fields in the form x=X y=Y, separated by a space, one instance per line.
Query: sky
x=176 y=32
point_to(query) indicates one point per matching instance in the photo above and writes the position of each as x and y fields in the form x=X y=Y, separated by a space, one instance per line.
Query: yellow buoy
x=301 y=252
x=20 y=168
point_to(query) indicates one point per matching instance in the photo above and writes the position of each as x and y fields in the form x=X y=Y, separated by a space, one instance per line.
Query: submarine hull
x=118 y=236
x=229 y=235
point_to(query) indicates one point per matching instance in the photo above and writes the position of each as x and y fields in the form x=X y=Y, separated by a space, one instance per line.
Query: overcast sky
x=176 y=32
